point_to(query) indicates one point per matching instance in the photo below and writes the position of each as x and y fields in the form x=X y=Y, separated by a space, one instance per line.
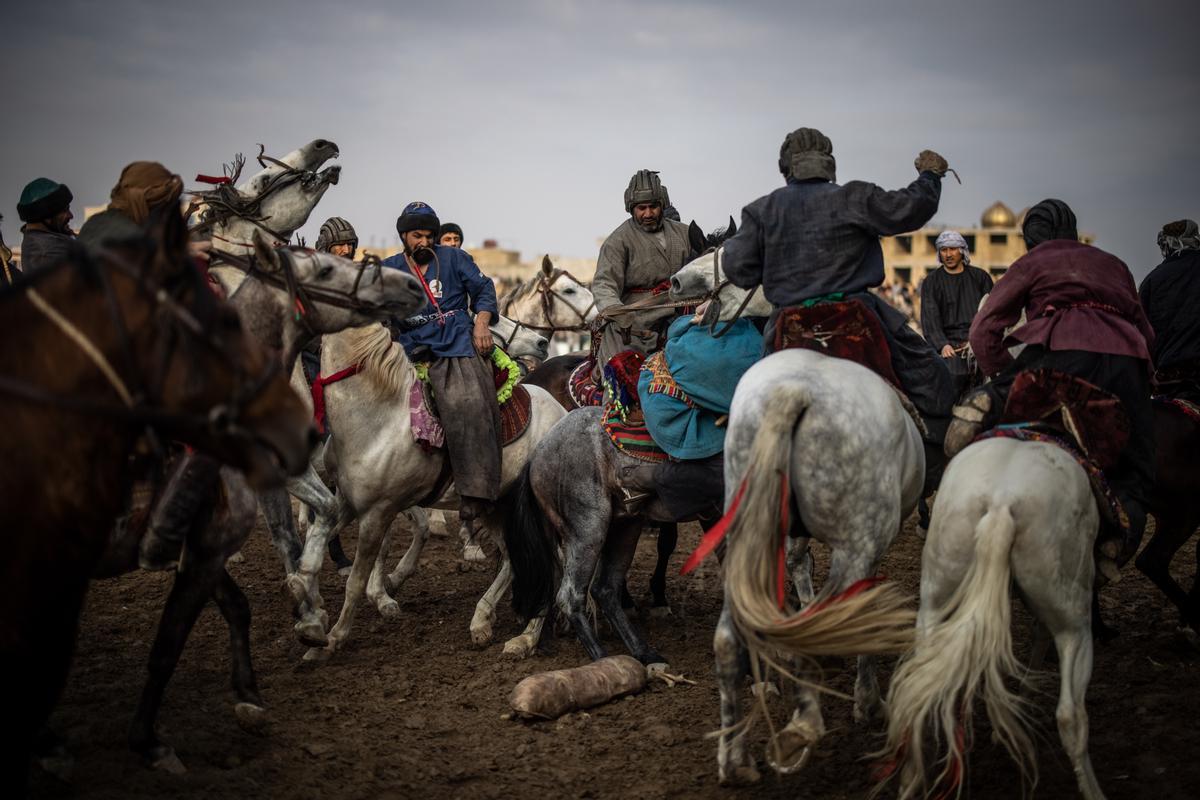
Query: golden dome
x=998 y=215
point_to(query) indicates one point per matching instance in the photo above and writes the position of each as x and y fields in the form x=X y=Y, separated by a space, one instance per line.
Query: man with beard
x=949 y=299
x=1171 y=298
x=337 y=236
x=814 y=240
x=458 y=352
x=1084 y=319
x=45 y=208
x=638 y=259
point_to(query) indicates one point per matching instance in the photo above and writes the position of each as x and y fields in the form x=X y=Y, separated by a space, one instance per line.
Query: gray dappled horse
x=832 y=439
x=1008 y=514
x=570 y=493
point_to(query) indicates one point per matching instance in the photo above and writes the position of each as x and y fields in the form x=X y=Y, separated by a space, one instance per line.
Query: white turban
x=953 y=239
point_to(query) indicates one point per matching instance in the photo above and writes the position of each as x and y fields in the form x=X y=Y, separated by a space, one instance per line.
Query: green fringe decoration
x=503 y=362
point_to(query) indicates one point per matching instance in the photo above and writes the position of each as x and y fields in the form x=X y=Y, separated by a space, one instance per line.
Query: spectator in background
x=949 y=299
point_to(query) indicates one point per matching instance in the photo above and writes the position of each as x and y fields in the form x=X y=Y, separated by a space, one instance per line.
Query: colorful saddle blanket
x=1080 y=410
x=623 y=421
x=841 y=328
x=1106 y=499
x=583 y=390
x=516 y=410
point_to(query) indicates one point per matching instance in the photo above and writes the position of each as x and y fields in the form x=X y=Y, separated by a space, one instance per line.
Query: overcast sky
x=524 y=120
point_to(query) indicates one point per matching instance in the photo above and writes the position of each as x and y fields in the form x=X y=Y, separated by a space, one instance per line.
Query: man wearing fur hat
x=458 y=351
x=813 y=239
x=636 y=260
x=45 y=208
x=949 y=299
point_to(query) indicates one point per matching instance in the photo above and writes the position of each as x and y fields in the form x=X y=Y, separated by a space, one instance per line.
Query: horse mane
x=383 y=361
x=524 y=290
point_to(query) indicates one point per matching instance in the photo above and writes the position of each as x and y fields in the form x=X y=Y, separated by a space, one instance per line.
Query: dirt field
x=410 y=709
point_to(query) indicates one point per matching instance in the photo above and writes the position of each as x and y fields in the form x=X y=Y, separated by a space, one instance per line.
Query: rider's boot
x=969 y=420
x=185 y=503
x=1114 y=546
x=638 y=485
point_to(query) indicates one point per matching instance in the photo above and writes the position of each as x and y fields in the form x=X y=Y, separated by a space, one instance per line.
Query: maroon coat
x=1075 y=297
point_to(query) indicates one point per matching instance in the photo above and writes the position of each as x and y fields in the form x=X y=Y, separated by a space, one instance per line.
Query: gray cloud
x=523 y=121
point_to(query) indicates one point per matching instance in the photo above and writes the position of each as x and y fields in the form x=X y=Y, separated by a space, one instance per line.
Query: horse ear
x=732 y=229
x=696 y=239
x=264 y=251
x=547 y=266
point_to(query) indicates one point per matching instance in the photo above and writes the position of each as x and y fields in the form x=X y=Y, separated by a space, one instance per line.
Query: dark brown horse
x=97 y=354
x=1175 y=506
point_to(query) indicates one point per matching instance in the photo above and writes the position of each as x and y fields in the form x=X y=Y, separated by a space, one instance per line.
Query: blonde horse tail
x=866 y=619
x=965 y=650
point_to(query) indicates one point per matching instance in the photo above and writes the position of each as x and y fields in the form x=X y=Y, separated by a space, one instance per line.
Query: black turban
x=1049 y=219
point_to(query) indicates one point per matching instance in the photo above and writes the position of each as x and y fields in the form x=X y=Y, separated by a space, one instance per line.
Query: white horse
x=555 y=303
x=381 y=471
x=828 y=441
x=275 y=201
x=1008 y=513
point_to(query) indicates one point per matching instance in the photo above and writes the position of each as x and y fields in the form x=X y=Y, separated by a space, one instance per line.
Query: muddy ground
x=410 y=709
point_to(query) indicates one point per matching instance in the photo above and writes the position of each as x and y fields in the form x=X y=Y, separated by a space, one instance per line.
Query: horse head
x=518 y=340
x=552 y=300
x=204 y=378
x=279 y=198
x=703 y=278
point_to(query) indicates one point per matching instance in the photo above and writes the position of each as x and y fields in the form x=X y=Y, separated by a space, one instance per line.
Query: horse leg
x=407 y=565
x=191 y=590
x=800 y=567
x=339 y=557
x=582 y=553
x=615 y=558
x=277 y=511
x=1102 y=631
x=1172 y=531
x=1075 y=663
x=485 y=610
x=377 y=592
x=235 y=608
x=733 y=764
x=371 y=533
x=668 y=537
x=303 y=585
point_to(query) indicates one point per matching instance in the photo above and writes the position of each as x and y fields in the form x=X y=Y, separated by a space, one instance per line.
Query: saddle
x=842 y=329
x=516 y=410
x=1064 y=404
x=583 y=390
x=623 y=420
x=1180 y=382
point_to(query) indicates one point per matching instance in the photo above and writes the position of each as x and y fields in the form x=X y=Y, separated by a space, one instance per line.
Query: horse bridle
x=135 y=406
x=303 y=298
x=713 y=313
x=548 y=294
x=506 y=341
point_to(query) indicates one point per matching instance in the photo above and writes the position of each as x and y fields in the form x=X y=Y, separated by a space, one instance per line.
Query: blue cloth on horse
x=461 y=285
x=706 y=370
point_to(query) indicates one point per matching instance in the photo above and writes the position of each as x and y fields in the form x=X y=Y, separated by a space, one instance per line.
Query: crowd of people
x=810 y=242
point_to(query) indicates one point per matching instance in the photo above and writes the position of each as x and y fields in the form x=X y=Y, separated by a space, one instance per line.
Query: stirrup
x=633 y=500
x=1107 y=569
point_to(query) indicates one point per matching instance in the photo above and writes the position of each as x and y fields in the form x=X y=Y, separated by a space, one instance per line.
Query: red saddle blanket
x=582 y=388
x=843 y=329
x=427 y=427
x=1092 y=416
x=1106 y=499
x=630 y=436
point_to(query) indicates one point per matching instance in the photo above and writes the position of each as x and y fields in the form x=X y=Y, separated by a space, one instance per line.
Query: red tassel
x=214 y=180
x=713 y=536
x=318 y=393
x=853 y=589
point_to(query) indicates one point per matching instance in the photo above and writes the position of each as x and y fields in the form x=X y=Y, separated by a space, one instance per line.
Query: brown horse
x=102 y=353
x=1175 y=506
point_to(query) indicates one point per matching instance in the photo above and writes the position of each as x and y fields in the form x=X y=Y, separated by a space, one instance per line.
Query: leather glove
x=929 y=161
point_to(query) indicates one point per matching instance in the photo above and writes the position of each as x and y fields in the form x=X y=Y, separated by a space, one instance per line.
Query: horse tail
x=531 y=551
x=868 y=618
x=965 y=650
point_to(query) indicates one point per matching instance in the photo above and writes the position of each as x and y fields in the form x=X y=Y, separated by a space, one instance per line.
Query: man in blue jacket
x=458 y=351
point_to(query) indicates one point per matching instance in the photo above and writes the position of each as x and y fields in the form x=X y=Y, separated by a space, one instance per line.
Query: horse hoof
x=345 y=571
x=317 y=655
x=389 y=609
x=236 y=558
x=481 y=636
x=165 y=759
x=790 y=762
x=660 y=612
x=741 y=776
x=473 y=552
x=518 y=647
x=250 y=717
x=311 y=632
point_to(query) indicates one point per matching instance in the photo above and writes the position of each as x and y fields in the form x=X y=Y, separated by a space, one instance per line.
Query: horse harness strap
x=83 y=343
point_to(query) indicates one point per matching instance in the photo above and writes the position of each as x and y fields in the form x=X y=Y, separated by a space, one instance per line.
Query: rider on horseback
x=45 y=208
x=637 y=259
x=1171 y=298
x=456 y=350
x=814 y=240
x=338 y=237
x=1084 y=320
